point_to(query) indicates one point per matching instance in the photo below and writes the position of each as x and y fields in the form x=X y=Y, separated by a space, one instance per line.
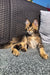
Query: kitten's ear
x=27 y=23
x=35 y=24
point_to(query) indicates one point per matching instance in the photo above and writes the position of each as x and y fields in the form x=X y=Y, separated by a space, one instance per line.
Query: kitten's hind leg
x=14 y=50
x=43 y=54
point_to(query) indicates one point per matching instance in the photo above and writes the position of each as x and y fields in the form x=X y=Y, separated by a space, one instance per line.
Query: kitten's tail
x=9 y=44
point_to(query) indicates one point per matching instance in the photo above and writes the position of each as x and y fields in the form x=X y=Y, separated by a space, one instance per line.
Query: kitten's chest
x=32 y=41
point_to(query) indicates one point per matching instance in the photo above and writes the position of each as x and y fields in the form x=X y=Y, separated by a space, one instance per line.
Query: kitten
x=32 y=39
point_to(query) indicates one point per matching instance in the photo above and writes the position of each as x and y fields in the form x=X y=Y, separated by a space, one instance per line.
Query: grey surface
x=27 y=63
x=45 y=26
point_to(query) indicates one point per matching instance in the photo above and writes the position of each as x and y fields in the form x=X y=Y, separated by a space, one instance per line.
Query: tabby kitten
x=32 y=39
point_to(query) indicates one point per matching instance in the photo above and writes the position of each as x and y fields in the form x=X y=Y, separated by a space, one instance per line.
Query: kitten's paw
x=15 y=52
x=44 y=55
x=24 y=49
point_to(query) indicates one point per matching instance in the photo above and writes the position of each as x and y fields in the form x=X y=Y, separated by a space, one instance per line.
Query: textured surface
x=45 y=26
x=28 y=63
x=13 y=14
x=20 y=11
x=4 y=21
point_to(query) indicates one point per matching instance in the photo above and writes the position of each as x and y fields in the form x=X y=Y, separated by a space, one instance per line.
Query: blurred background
x=45 y=3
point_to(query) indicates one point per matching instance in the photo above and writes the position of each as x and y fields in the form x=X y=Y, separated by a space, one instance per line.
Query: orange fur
x=32 y=40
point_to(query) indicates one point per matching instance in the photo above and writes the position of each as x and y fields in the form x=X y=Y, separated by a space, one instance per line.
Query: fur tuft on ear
x=35 y=24
x=27 y=23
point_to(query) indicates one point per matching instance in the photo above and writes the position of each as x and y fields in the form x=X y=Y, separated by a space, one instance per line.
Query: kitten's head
x=31 y=28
